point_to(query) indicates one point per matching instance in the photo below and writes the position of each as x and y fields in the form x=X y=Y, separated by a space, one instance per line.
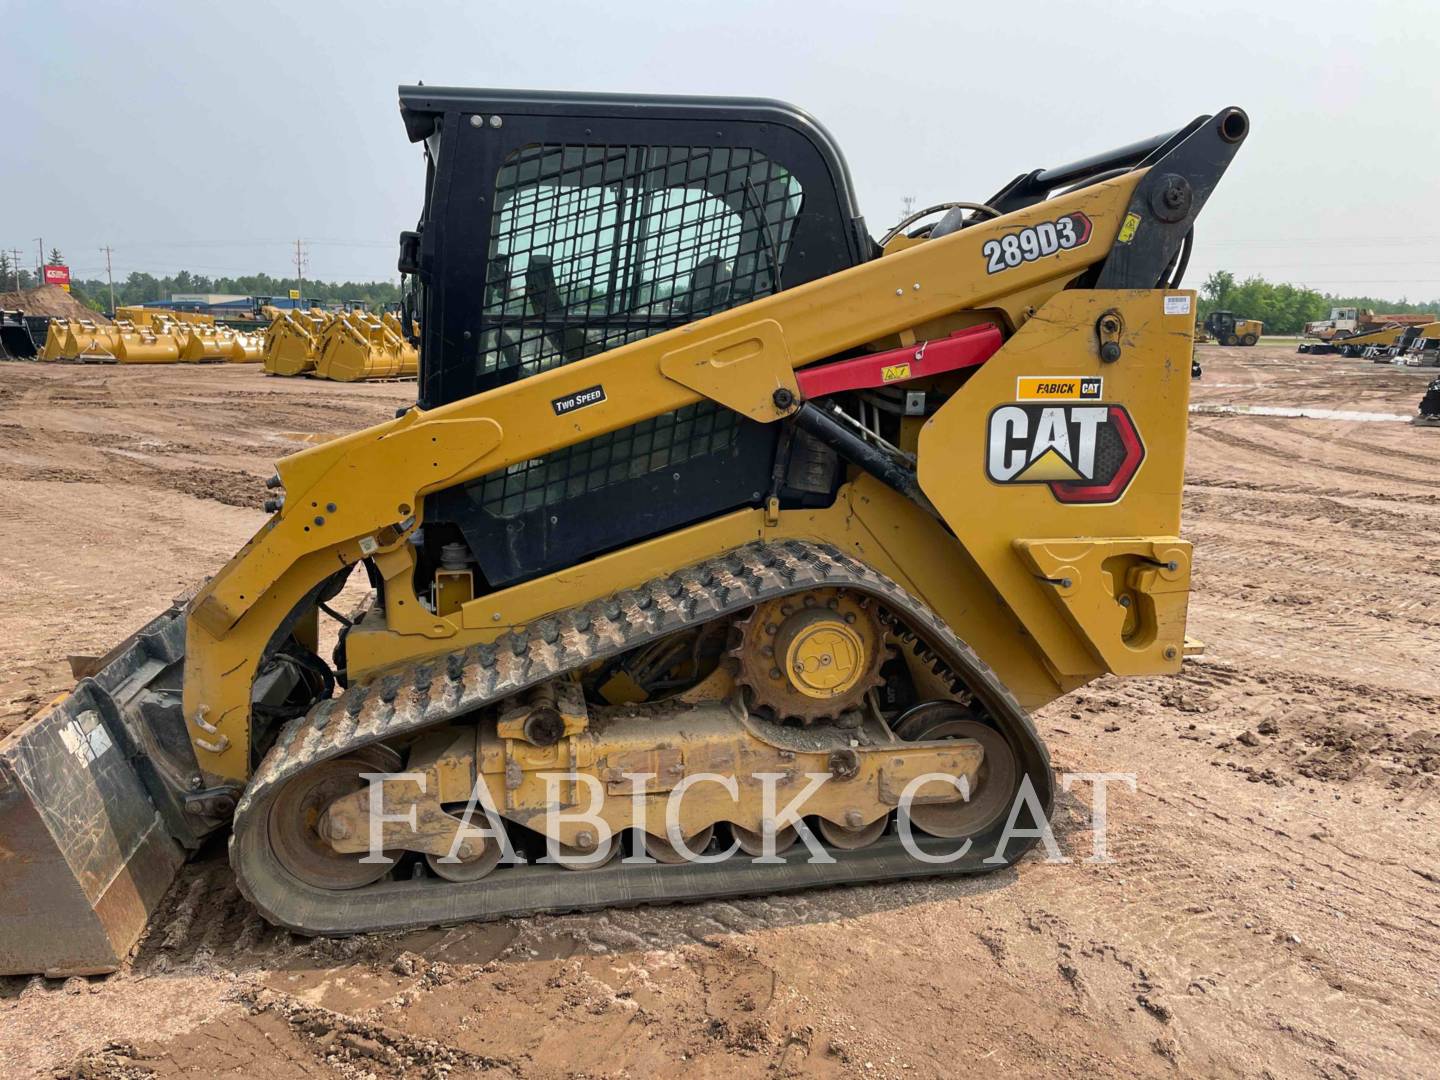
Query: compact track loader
x=705 y=494
x=1228 y=328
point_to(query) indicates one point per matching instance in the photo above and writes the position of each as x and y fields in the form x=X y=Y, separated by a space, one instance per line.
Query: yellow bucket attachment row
x=358 y=345
x=149 y=318
x=292 y=343
x=143 y=345
x=80 y=339
x=152 y=337
x=246 y=348
x=344 y=346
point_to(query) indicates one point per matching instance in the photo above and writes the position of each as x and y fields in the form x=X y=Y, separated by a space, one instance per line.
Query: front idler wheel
x=300 y=831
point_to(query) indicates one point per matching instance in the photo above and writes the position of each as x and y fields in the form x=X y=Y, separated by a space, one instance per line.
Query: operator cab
x=560 y=226
x=1220 y=324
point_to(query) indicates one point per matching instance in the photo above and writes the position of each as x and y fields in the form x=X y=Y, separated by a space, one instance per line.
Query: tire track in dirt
x=1223 y=483
x=1222 y=948
x=1239 y=442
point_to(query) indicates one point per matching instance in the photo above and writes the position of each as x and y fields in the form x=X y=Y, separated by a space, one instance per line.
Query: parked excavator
x=705 y=492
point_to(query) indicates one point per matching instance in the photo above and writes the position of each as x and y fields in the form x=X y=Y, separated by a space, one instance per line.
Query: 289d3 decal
x=1086 y=453
x=1036 y=241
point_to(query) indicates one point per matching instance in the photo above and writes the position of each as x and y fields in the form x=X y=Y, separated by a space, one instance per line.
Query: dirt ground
x=1273 y=907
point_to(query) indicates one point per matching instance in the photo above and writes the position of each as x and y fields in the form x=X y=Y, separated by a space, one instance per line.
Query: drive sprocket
x=810 y=656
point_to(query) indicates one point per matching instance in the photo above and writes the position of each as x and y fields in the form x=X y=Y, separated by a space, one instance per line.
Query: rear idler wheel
x=297 y=826
x=663 y=851
x=994 y=783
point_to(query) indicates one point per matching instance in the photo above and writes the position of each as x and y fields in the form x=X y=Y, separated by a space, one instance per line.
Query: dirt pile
x=49 y=300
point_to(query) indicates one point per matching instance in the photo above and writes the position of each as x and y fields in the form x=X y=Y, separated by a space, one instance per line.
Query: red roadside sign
x=58 y=275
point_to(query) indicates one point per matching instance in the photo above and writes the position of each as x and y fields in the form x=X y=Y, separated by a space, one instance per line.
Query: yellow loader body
x=978 y=433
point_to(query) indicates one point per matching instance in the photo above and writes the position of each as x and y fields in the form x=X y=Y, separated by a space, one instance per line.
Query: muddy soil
x=1272 y=907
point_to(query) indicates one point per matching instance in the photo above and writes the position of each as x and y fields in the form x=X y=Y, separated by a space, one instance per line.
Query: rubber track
x=446 y=687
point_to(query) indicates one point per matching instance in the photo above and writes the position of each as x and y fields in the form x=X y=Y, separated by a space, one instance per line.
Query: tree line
x=1285 y=308
x=138 y=287
x=1282 y=307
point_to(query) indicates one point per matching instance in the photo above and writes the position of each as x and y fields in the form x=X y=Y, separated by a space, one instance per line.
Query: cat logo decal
x=1085 y=453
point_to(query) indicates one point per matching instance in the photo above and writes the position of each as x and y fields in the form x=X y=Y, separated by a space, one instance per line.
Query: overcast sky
x=208 y=136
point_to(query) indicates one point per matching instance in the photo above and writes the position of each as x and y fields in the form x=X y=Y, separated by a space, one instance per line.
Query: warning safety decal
x=1085 y=453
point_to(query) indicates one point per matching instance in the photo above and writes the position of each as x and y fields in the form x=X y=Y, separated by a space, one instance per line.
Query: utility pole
x=110 y=278
x=15 y=266
x=40 y=266
x=300 y=271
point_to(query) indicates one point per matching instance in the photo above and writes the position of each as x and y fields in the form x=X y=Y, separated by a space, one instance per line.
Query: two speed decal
x=1036 y=241
x=591 y=395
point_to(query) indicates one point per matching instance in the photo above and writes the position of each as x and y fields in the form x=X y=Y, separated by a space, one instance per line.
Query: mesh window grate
x=596 y=246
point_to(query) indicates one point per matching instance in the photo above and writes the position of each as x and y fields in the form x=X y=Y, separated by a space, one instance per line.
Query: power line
x=323 y=241
x=110 y=277
x=1327 y=241
x=1391 y=263
x=1363 y=281
x=300 y=269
